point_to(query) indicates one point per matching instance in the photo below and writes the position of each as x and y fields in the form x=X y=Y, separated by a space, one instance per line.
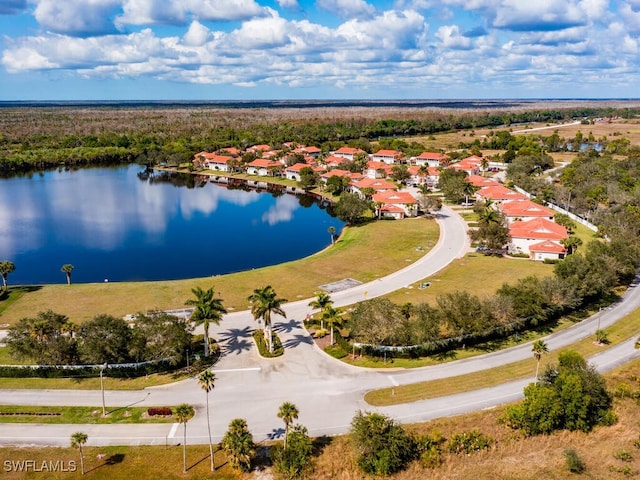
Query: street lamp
x=104 y=410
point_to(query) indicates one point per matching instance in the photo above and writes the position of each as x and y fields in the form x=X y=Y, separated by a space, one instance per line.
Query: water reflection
x=103 y=219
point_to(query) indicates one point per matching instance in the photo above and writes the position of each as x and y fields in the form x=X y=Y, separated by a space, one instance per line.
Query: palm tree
x=6 y=267
x=207 y=382
x=332 y=231
x=264 y=303
x=331 y=314
x=539 y=348
x=489 y=215
x=78 y=439
x=238 y=444
x=571 y=243
x=321 y=302
x=184 y=412
x=208 y=309
x=484 y=164
x=288 y=413
x=67 y=268
x=468 y=190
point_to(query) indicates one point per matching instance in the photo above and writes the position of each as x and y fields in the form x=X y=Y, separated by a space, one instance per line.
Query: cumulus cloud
x=12 y=7
x=179 y=12
x=347 y=8
x=451 y=37
x=77 y=17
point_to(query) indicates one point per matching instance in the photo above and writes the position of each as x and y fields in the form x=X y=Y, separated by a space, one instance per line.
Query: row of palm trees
x=208 y=309
x=6 y=267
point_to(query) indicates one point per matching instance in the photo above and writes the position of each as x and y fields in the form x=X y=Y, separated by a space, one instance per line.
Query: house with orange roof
x=378 y=185
x=218 y=162
x=498 y=194
x=547 y=249
x=233 y=151
x=376 y=169
x=334 y=161
x=525 y=234
x=479 y=181
x=432 y=159
x=390 y=157
x=347 y=152
x=396 y=204
x=311 y=151
x=336 y=172
x=524 y=210
x=259 y=149
x=293 y=172
x=263 y=167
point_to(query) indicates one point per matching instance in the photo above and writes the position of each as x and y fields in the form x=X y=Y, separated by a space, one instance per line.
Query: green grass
x=480 y=274
x=77 y=415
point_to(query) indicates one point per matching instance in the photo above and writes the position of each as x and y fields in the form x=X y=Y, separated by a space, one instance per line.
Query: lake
x=118 y=224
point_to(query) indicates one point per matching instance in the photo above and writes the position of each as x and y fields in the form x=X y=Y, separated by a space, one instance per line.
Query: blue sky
x=318 y=49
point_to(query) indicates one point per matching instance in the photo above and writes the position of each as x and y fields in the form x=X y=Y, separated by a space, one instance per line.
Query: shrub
x=383 y=446
x=263 y=348
x=430 y=449
x=469 y=442
x=159 y=411
x=296 y=460
x=623 y=455
x=574 y=462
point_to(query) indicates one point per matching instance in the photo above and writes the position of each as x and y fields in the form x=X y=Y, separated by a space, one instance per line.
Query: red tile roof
x=538 y=228
x=391 y=197
x=547 y=247
x=498 y=192
x=525 y=208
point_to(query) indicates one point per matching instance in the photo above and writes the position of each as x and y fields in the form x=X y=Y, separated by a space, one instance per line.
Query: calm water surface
x=112 y=225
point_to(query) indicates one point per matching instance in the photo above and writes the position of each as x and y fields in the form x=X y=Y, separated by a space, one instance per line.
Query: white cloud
x=288 y=3
x=197 y=35
x=347 y=8
x=282 y=211
x=451 y=37
x=179 y=12
x=76 y=17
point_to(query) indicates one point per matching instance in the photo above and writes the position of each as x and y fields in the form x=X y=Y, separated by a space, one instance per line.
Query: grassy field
x=78 y=415
x=607 y=452
x=363 y=252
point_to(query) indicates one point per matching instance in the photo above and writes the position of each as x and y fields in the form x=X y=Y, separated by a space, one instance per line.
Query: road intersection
x=327 y=392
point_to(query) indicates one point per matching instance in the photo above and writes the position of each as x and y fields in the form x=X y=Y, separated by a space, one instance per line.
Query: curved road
x=326 y=391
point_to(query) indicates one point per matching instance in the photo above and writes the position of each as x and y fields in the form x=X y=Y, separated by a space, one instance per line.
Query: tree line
x=36 y=139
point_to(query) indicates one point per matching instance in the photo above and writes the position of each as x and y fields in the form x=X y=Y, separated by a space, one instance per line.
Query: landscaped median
x=84 y=415
x=622 y=330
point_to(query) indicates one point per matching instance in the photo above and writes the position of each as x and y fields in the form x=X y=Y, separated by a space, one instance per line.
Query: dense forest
x=34 y=138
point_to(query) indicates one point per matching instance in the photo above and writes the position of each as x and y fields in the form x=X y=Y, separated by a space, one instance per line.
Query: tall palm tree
x=332 y=231
x=207 y=382
x=184 y=412
x=571 y=243
x=6 y=267
x=78 y=439
x=468 y=190
x=288 y=412
x=67 y=268
x=331 y=315
x=264 y=302
x=321 y=302
x=208 y=309
x=238 y=444
x=539 y=348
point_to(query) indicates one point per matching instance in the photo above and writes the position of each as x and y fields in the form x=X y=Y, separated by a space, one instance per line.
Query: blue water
x=111 y=225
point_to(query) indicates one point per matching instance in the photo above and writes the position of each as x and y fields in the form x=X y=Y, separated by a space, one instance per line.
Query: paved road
x=327 y=392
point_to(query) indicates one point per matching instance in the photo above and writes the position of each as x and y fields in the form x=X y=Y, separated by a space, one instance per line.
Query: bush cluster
x=159 y=411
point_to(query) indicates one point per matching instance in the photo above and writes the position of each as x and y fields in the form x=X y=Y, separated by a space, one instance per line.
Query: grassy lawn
x=620 y=331
x=363 y=252
x=480 y=274
x=77 y=415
